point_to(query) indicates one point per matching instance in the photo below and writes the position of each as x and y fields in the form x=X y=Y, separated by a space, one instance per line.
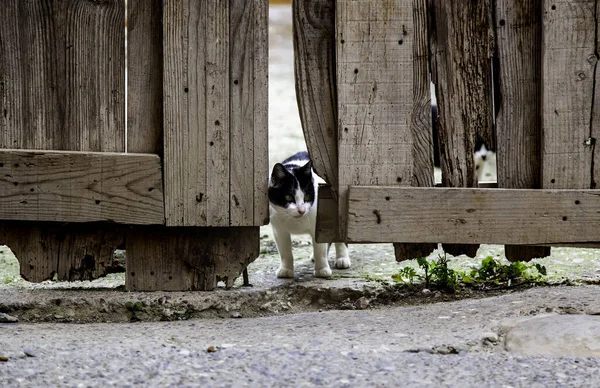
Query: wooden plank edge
x=474 y=223
x=39 y=196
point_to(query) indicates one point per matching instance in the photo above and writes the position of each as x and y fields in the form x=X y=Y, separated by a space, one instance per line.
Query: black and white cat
x=293 y=209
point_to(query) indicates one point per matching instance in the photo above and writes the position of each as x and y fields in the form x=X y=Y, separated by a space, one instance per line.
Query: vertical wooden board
x=144 y=76
x=188 y=259
x=184 y=107
x=95 y=43
x=241 y=114
x=420 y=125
x=314 y=65
x=374 y=141
x=462 y=46
x=569 y=62
x=261 y=111
x=32 y=75
x=62 y=87
x=518 y=120
x=217 y=113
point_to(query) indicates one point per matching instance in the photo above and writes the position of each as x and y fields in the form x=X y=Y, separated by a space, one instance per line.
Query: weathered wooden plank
x=241 y=113
x=261 y=111
x=369 y=151
x=95 y=40
x=518 y=118
x=188 y=259
x=314 y=65
x=461 y=215
x=327 y=229
x=184 y=106
x=420 y=125
x=62 y=75
x=217 y=113
x=248 y=113
x=76 y=251
x=462 y=47
x=70 y=93
x=569 y=65
x=144 y=76
x=73 y=186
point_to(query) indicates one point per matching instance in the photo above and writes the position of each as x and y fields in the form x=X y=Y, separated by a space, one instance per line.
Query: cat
x=293 y=210
x=481 y=154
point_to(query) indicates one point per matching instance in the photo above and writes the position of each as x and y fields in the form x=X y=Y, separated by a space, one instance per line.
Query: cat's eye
x=308 y=197
x=289 y=198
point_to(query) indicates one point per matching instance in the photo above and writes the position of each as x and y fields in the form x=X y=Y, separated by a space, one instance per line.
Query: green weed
x=492 y=274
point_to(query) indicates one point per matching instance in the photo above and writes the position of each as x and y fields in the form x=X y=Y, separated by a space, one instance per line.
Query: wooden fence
x=519 y=75
x=187 y=196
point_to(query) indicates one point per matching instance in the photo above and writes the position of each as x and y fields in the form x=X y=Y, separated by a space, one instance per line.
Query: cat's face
x=292 y=193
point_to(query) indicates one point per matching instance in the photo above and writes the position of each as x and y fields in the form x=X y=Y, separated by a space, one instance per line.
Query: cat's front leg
x=283 y=240
x=322 y=269
x=342 y=258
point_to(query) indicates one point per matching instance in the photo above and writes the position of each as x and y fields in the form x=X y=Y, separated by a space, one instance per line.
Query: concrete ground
x=459 y=344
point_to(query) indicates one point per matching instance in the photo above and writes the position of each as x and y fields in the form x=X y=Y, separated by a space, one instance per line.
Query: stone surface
x=556 y=335
x=5 y=318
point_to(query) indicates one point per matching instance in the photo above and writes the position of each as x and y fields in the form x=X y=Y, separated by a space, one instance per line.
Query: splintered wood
x=462 y=47
x=571 y=123
x=375 y=94
x=215 y=114
x=314 y=65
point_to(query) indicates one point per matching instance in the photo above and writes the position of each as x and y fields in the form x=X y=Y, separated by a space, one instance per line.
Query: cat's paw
x=342 y=263
x=285 y=273
x=323 y=272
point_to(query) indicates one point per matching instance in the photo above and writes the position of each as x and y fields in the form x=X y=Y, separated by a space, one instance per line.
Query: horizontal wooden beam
x=71 y=186
x=467 y=215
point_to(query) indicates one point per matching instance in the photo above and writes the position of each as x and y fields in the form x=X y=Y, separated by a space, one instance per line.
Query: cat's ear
x=306 y=170
x=279 y=174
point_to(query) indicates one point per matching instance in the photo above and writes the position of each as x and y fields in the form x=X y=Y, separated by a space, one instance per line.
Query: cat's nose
x=483 y=157
x=301 y=211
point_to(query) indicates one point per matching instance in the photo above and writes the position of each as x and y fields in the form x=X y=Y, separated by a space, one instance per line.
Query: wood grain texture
x=62 y=87
x=569 y=65
x=462 y=47
x=261 y=111
x=327 y=229
x=184 y=112
x=144 y=76
x=248 y=113
x=420 y=125
x=77 y=251
x=374 y=139
x=62 y=73
x=518 y=119
x=80 y=187
x=188 y=259
x=217 y=113
x=460 y=215
x=314 y=65
x=241 y=113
